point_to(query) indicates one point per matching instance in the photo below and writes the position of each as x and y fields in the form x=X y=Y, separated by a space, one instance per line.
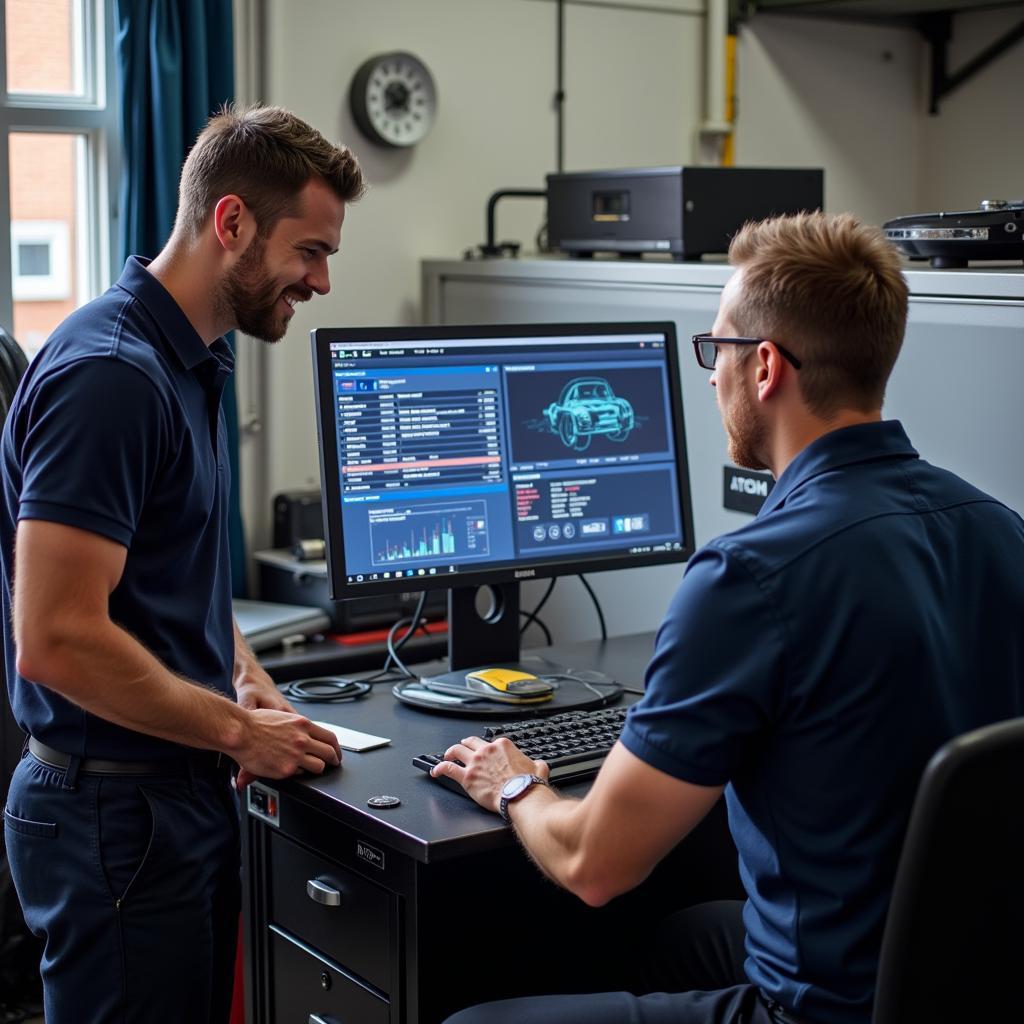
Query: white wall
x=633 y=98
x=849 y=98
x=973 y=149
x=836 y=95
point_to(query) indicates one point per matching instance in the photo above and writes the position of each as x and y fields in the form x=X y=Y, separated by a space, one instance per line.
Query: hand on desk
x=280 y=743
x=485 y=768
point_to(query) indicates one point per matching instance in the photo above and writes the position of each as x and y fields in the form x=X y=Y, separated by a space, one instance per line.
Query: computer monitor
x=459 y=457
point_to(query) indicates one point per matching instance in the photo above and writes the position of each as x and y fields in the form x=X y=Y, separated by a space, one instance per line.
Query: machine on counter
x=995 y=231
x=684 y=212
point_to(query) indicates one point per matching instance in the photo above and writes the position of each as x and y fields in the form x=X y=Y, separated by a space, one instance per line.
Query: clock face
x=393 y=99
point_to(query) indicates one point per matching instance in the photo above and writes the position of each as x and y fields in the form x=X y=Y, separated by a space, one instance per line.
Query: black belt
x=202 y=761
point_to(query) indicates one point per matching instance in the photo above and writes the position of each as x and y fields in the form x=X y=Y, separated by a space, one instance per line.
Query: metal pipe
x=716 y=28
x=715 y=126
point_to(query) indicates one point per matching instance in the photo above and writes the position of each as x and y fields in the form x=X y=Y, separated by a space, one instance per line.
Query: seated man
x=809 y=665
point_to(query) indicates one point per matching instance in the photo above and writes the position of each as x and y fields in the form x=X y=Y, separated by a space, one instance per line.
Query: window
x=58 y=161
x=39 y=260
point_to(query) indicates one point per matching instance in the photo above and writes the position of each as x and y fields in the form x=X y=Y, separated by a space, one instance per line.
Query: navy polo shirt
x=117 y=429
x=814 y=660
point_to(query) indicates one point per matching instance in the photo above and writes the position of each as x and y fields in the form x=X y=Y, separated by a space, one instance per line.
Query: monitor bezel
x=341 y=590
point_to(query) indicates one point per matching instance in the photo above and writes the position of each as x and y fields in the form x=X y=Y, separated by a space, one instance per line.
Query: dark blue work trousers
x=691 y=971
x=133 y=883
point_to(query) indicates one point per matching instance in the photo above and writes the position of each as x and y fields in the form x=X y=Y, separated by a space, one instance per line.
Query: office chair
x=953 y=948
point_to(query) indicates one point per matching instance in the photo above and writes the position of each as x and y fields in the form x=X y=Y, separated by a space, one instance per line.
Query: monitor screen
x=460 y=456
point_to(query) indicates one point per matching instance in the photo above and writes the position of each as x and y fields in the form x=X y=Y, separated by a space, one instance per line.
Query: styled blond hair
x=831 y=289
x=266 y=156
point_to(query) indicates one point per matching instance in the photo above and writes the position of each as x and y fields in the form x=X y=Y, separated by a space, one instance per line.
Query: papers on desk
x=352 y=739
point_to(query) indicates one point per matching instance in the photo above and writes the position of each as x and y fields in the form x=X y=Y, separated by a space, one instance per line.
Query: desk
x=390 y=951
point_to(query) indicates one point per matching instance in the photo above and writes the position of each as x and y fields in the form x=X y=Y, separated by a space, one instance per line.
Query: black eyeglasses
x=705 y=347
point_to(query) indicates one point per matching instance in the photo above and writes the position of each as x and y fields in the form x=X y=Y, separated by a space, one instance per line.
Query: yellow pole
x=729 y=146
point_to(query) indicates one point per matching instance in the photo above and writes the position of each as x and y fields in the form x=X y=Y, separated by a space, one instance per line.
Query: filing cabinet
x=337 y=912
x=324 y=949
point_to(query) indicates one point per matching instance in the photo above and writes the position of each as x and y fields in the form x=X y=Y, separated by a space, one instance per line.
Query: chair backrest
x=953 y=948
x=13 y=364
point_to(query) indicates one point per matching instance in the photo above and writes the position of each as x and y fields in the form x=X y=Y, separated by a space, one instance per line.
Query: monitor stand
x=488 y=637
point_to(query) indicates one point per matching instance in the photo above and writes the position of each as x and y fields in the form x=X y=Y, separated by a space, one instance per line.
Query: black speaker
x=298 y=515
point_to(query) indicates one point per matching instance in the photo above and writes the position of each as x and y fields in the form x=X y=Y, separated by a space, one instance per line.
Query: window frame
x=95 y=118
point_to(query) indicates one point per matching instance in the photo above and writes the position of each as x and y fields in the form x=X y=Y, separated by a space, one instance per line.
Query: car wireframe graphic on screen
x=588 y=406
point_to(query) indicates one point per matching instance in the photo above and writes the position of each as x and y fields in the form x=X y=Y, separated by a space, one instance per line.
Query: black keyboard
x=573 y=743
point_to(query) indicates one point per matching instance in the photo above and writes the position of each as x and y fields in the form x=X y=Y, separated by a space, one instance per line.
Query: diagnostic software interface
x=471 y=453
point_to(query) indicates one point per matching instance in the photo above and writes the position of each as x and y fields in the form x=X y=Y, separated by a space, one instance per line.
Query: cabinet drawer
x=351 y=923
x=307 y=988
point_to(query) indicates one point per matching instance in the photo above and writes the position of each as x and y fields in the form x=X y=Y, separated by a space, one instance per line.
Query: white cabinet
x=956 y=387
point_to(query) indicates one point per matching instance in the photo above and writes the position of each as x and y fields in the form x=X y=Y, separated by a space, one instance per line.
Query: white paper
x=352 y=739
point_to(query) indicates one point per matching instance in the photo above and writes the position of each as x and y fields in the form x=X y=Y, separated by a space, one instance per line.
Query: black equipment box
x=298 y=515
x=683 y=211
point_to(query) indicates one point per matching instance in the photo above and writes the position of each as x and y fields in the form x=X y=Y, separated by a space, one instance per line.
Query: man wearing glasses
x=809 y=665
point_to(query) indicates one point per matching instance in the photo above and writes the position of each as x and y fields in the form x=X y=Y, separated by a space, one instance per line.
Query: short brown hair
x=266 y=156
x=831 y=287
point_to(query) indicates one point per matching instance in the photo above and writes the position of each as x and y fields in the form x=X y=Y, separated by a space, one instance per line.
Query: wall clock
x=393 y=99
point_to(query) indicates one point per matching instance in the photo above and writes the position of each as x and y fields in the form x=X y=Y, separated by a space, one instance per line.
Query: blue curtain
x=175 y=61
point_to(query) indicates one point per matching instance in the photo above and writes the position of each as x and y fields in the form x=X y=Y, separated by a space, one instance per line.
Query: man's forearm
x=109 y=673
x=547 y=826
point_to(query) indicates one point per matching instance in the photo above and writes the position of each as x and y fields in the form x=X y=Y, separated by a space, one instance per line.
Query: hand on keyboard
x=572 y=745
x=482 y=767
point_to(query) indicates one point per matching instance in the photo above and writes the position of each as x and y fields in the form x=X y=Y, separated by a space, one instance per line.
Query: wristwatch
x=513 y=789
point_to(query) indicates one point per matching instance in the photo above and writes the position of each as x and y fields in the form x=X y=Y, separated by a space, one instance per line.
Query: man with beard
x=809 y=665
x=124 y=664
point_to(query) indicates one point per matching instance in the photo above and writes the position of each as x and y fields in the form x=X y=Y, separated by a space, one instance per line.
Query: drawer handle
x=315 y=1018
x=326 y=895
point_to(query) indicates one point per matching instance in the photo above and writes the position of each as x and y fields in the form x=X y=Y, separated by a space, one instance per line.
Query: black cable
x=540 y=240
x=492 y=248
x=414 y=623
x=325 y=690
x=597 y=606
x=560 y=89
x=532 y=616
x=539 y=622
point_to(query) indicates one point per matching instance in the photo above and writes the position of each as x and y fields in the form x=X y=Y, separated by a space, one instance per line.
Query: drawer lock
x=320 y=892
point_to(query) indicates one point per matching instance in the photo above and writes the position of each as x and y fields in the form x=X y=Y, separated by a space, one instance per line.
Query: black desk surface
x=432 y=823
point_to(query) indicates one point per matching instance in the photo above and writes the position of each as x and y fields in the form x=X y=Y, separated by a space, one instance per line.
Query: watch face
x=393 y=99
x=514 y=786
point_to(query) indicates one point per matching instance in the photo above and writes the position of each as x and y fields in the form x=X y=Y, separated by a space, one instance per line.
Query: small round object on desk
x=383 y=801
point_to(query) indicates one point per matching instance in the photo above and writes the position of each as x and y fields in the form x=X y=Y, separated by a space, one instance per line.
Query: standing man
x=123 y=662
x=809 y=665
